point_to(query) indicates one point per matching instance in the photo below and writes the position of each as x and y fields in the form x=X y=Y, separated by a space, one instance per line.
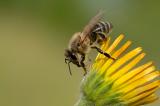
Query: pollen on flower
x=122 y=81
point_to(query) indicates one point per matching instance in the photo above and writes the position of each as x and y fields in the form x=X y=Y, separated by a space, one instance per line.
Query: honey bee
x=81 y=43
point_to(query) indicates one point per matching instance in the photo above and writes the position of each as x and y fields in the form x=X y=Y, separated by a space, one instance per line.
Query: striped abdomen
x=100 y=30
x=104 y=27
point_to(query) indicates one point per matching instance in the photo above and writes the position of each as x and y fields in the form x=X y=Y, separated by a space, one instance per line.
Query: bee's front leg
x=82 y=64
x=102 y=52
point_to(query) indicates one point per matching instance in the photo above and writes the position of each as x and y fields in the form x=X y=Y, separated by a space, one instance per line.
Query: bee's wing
x=88 y=28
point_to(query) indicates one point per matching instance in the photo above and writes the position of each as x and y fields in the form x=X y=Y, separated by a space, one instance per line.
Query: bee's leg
x=102 y=52
x=82 y=63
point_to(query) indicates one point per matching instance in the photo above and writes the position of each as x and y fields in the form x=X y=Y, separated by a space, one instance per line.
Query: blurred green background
x=34 y=34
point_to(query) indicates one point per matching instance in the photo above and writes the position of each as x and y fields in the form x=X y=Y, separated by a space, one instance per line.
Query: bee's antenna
x=69 y=68
x=68 y=62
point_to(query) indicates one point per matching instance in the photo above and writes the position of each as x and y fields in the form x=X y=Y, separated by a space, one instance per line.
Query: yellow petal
x=115 y=55
x=140 y=90
x=127 y=67
x=143 y=73
x=115 y=43
x=149 y=99
x=141 y=96
x=123 y=60
x=105 y=47
x=122 y=49
x=140 y=82
x=130 y=75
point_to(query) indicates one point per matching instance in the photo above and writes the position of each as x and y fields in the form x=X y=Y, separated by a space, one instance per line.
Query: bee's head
x=70 y=56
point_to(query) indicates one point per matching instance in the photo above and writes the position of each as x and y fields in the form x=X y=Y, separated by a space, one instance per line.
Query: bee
x=81 y=43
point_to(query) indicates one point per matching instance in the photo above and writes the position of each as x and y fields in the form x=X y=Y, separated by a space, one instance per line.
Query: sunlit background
x=34 y=34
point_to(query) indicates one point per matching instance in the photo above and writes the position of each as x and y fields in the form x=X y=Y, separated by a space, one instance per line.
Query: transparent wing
x=88 y=28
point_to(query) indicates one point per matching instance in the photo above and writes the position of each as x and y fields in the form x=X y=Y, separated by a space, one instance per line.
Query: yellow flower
x=120 y=82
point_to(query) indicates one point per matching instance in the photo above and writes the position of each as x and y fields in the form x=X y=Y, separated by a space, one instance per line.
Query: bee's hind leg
x=102 y=52
x=82 y=64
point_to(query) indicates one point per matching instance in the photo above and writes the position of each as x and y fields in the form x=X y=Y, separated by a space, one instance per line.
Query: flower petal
x=115 y=43
x=141 y=96
x=130 y=75
x=140 y=90
x=141 y=74
x=107 y=63
x=140 y=82
x=149 y=99
x=127 y=67
x=122 y=60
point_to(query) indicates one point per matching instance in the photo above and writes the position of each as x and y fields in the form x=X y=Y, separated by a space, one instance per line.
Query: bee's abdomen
x=104 y=27
x=100 y=31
